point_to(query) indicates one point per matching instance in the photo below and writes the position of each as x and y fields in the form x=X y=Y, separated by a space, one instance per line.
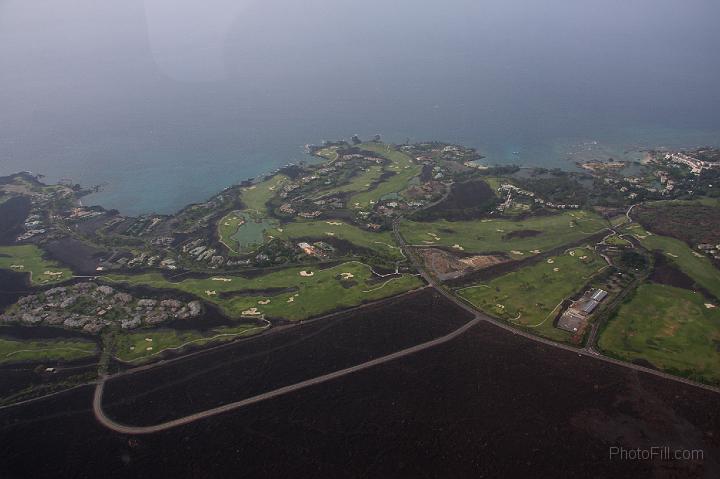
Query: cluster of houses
x=696 y=166
x=33 y=227
x=508 y=190
x=91 y=308
x=319 y=249
x=666 y=181
x=709 y=249
x=575 y=318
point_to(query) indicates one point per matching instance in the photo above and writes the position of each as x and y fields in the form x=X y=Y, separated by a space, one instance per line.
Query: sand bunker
x=347 y=275
x=210 y=293
x=500 y=306
x=334 y=223
x=556 y=269
x=264 y=301
x=148 y=339
x=291 y=299
x=709 y=306
x=674 y=255
x=226 y=280
x=251 y=312
x=458 y=247
x=519 y=253
x=17 y=266
x=306 y=273
x=149 y=348
x=330 y=233
x=572 y=253
x=535 y=251
x=551 y=261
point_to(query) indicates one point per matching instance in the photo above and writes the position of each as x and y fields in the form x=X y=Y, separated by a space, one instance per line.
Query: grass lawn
x=382 y=243
x=615 y=240
x=12 y=350
x=359 y=182
x=693 y=264
x=529 y=297
x=329 y=153
x=310 y=296
x=135 y=346
x=254 y=197
x=491 y=235
x=671 y=328
x=401 y=164
x=241 y=232
x=28 y=259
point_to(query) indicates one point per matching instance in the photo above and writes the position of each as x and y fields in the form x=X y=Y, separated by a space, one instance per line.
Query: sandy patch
x=519 y=253
x=556 y=269
x=149 y=348
x=347 y=275
x=211 y=293
x=458 y=247
x=710 y=306
x=291 y=299
x=334 y=223
x=148 y=340
x=226 y=280
x=330 y=233
x=306 y=274
x=674 y=255
x=550 y=261
x=535 y=251
x=264 y=301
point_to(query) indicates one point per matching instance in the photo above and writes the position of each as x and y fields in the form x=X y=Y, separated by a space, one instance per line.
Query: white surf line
x=125 y=429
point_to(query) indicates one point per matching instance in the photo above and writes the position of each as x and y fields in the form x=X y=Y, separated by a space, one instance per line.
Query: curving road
x=126 y=429
x=590 y=353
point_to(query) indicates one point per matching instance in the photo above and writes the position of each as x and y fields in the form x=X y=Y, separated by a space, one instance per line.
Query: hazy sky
x=86 y=84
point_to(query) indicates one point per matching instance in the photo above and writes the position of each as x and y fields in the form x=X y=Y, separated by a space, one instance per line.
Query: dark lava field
x=486 y=404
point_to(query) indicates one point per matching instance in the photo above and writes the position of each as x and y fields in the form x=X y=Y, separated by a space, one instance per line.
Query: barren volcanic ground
x=487 y=404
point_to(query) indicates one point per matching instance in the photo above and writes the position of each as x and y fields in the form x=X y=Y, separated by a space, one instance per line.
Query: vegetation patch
x=695 y=265
x=29 y=259
x=401 y=164
x=491 y=235
x=12 y=351
x=151 y=343
x=381 y=243
x=672 y=328
x=531 y=297
x=318 y=293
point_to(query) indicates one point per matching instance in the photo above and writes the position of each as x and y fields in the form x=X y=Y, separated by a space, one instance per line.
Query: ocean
x=165 y=103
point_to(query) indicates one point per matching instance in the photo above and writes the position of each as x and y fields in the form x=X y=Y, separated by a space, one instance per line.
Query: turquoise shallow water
x=126 y=95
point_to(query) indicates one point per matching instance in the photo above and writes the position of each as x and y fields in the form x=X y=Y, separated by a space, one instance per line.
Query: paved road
x=126 y=429
x=590 y=353
x=478 y=317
